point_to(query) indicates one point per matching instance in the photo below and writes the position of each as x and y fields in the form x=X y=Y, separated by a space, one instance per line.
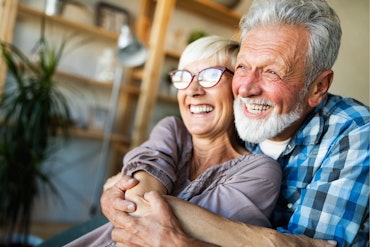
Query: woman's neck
x=211 y=152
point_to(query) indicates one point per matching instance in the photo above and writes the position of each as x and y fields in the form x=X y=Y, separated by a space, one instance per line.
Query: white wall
x=351 y=69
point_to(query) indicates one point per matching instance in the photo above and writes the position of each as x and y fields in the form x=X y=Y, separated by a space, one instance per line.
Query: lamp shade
x=131 y=52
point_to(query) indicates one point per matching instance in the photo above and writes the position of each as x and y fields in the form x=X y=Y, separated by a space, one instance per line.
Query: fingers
x=159 y=205
x=128 y=237
x=332 y=243
x=111 y=181
x=113 y=201
x=126 y=182
x=156 y=201
x=303 y=241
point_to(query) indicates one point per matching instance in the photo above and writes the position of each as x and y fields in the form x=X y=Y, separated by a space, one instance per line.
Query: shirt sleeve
x=169 y=144
x=335 y=204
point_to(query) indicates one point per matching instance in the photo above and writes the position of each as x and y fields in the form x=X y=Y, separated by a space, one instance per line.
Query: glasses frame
x=221 y=68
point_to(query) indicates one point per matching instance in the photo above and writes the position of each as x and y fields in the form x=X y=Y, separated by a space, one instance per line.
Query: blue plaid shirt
x=325 y=187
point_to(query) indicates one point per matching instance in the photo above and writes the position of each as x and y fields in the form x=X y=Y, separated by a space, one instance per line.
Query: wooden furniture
x=160 y=22
x=141 y=87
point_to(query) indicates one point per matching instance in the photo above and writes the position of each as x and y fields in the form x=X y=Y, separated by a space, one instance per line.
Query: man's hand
x=112 y=181
x=158 y=228
x=113 y=203
x=303 y=241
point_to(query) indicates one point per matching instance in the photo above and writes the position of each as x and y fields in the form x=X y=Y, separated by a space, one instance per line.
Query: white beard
x=258 y=130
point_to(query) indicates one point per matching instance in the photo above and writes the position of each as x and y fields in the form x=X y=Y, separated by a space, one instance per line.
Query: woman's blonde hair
x=225 y=50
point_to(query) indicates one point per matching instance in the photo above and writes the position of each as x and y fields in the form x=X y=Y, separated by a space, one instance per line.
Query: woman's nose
x=194 y=89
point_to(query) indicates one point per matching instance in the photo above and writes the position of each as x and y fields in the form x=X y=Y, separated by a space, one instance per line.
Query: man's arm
x=159 y=226
x=204 y=225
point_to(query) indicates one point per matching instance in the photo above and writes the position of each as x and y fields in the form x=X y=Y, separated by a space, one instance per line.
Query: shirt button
x=289 y=205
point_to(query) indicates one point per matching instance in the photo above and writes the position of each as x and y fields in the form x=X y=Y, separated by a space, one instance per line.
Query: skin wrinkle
x=262 y=53
x=264 y=47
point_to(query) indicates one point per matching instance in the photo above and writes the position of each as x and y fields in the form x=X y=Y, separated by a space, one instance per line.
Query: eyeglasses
x=207 y=78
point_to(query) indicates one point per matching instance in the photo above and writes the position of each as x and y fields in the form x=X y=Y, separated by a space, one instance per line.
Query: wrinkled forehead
x=286 y=41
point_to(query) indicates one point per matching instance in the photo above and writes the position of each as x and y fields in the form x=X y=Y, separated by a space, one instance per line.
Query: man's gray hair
x=316 y=16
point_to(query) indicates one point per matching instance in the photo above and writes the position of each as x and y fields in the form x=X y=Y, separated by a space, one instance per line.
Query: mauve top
x=244 y=189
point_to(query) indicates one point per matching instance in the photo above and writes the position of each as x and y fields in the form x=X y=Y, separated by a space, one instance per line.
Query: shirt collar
x=308 y=134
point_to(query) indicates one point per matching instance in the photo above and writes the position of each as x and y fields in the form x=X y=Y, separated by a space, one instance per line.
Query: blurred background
x=114 y=106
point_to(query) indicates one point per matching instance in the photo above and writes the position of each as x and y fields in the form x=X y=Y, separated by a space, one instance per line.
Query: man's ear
x=320 y=87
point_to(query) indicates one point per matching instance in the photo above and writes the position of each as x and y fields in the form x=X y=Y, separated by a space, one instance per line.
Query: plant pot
x=17 y=241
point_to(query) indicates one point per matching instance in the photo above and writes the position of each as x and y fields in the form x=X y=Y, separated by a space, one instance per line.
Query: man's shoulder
x=336 y=116
x=345 y=108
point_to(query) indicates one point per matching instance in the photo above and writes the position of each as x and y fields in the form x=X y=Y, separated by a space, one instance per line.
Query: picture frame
x=111 y=17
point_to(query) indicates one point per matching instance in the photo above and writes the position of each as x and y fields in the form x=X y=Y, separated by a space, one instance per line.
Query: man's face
x=268 y=84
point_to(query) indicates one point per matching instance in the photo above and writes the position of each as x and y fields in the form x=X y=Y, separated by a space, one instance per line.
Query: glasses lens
x=180 y=79
x=209 y=77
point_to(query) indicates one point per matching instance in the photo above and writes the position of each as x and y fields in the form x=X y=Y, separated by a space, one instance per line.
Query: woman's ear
x=320 y=87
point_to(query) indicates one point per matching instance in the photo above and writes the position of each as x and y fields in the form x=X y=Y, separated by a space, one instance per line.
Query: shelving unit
x=163 y=10
x=149 y=76
x=138 y=96
x=142 y=85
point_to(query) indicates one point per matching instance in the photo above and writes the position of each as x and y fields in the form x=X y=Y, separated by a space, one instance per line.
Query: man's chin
x=254 y=133
x=258 y=130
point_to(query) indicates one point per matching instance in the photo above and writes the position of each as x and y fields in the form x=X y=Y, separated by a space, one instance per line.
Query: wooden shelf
x=167 y=98
x=93 y=30
x=64 y=76
x=98 y=135
x=173 y=54
x=212 y=11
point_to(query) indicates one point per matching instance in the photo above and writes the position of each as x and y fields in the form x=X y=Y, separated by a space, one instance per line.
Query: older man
x=282 y=109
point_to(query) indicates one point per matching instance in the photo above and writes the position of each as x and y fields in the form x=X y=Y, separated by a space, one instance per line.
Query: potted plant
x=31 y=110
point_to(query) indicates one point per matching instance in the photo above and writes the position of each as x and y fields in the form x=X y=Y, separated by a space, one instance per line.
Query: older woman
x=214 y=170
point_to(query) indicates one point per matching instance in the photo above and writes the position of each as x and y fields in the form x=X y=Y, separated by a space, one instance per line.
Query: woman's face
x=207 y=111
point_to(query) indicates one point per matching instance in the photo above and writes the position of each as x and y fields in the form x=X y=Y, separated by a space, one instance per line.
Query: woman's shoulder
x=258 y=165
x=171 y=124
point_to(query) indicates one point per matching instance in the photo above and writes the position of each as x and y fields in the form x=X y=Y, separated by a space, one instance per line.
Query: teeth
x=255 y=109
x=200 y=109
x=257 y=106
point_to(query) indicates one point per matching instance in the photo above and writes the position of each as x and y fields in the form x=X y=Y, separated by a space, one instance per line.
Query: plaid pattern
x=325 y=188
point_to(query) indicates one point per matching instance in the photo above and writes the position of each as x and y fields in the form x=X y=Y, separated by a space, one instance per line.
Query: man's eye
x=240 y=67
x=272 y=75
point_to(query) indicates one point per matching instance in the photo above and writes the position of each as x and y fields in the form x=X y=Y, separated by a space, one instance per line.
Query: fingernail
x=332 y=242
x=130 y=207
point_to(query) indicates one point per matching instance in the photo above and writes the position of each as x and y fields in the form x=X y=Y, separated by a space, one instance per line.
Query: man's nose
x=248 y=85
